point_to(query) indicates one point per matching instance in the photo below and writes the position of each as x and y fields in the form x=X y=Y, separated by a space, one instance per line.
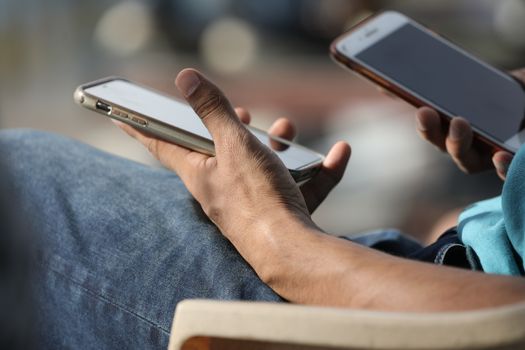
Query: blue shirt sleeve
x=494 y=229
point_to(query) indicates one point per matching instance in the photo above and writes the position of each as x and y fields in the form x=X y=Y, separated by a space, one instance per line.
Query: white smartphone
x=425 y=69
x=175 y=121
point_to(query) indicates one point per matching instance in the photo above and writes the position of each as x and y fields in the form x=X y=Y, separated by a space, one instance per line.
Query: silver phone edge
x=178 y=136
x=168 y=133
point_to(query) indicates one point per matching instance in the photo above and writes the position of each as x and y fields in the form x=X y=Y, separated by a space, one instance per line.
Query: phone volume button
x=139 y=121
x=119 y=113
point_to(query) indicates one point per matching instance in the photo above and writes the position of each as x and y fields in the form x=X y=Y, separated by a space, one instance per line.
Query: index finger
x=430 y=127
x=177 y=158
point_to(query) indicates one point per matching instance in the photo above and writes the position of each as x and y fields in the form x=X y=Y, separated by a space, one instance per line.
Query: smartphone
x=423 y=68
x=175 y=121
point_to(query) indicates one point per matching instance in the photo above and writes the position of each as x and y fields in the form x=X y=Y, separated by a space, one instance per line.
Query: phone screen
x=180 y=115
x=450 y=80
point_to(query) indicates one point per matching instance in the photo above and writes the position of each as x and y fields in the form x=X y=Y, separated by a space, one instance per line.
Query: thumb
x=210 y=104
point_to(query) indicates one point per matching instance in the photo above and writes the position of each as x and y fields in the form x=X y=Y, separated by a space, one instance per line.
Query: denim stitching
x=440 y=256
x=105 y=299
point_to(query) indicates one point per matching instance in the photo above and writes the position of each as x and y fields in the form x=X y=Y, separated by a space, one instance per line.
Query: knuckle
x=211 y=105
x=235 y=143
x=457 y=154
x=242 y=140
x=213 y=212
x=153 y=146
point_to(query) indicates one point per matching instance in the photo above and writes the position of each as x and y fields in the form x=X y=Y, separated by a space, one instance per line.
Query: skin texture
x=248 y=193
x=457 y=141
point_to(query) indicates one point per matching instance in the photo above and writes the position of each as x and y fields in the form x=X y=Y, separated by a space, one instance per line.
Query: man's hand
x=332 y=169
x=245 y=187
x=457 y=141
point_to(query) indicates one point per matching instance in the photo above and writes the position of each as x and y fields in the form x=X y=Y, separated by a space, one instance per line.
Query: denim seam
x=109 y=301
x=440 y=257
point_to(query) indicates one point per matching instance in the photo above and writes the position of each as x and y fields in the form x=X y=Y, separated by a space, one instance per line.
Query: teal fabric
x=494 y=229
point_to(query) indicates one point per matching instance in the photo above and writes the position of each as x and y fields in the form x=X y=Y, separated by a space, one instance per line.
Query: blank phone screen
x=451 y=81
x=157 y=106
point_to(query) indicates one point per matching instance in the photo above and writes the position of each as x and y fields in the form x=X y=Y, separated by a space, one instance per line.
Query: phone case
x=168 y=132
x=143 y=122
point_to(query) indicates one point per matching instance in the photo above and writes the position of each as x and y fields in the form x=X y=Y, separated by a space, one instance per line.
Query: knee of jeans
x=29 y=146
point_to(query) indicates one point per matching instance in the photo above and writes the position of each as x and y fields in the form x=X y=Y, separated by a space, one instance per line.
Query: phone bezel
x=172 y=133
x=346 y=47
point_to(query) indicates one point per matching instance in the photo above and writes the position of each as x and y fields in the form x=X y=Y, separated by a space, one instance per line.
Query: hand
x=332 y=169
x=457 y=140
x=245 y=186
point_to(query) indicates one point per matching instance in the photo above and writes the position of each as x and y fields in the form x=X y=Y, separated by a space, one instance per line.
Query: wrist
x=265 y=229
x=271 y=244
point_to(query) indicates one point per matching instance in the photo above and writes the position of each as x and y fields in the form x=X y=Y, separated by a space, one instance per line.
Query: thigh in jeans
x=119 y=244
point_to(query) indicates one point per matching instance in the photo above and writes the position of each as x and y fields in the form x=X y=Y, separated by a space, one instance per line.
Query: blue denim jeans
x=119 y=244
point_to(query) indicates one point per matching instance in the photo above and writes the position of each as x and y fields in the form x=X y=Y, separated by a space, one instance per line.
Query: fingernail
x=419 y=124
x=188 y=82
x=456 y=133
x=503 y=167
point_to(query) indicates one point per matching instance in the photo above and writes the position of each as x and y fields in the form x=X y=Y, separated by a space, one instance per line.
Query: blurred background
x=271 y=57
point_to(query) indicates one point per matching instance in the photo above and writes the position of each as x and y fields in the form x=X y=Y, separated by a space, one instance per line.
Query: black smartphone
x=425 y=69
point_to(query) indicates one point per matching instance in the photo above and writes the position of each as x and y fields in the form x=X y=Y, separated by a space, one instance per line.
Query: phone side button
x=118 y=113
x=139 y=121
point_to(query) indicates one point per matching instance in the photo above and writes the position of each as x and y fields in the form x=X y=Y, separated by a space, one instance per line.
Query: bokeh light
x=125 y=28
x=229 y=45
x=509 y=22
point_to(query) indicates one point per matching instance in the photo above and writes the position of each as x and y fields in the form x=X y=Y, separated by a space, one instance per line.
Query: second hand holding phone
x=416 y=64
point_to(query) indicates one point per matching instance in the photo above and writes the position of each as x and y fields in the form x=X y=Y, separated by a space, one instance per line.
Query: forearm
x=307 y=266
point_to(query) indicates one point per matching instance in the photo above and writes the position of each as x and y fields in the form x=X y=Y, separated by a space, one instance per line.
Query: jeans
x=119 y=244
